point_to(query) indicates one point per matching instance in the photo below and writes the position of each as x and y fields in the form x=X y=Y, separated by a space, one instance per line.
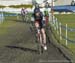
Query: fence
x=17 y=14
x=1 y=17
x=58 y=27
x=4 y=15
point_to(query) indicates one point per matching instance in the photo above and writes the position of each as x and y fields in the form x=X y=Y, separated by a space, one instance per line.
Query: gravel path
x=19 y=46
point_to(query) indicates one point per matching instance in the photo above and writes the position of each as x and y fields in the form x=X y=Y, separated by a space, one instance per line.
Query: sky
x=14 y=2
x=11 y=2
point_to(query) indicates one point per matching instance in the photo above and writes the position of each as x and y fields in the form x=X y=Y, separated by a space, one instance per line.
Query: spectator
x=73 y=3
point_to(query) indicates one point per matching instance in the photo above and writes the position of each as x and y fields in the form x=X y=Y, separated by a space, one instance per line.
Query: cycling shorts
x=40 y=22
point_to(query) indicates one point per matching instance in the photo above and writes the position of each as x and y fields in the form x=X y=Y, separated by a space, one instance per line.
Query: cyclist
x=24 y=13
x=38 y=21
x=46 y=12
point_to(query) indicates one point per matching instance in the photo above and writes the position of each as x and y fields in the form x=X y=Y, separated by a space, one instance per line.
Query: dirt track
x=19 y=46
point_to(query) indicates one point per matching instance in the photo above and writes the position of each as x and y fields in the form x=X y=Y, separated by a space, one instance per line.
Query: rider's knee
x=43 y=31
x=37 y=29
x=36 y=25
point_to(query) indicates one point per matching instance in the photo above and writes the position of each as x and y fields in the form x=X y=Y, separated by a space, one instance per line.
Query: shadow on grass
x=22 y=48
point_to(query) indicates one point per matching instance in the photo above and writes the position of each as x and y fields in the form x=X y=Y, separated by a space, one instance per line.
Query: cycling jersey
x=46 y=12
x=24 y=11
x=36 y=10
x=38 y=19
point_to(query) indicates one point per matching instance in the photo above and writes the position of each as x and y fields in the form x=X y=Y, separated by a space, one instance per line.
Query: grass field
x=68 y=19
x=6 y=24
x=17 y=44
x=10 y=21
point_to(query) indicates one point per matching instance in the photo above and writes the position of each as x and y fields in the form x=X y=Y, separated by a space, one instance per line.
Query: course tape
x=10 y=14
x=68 y=29
x=72 y=41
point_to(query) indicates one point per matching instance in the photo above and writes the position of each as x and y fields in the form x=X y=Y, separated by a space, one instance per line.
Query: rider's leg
x=47 y=19
x=25 y=18
x=44 y=35
x=44 y=38
x=38 y=32
x=22 y=18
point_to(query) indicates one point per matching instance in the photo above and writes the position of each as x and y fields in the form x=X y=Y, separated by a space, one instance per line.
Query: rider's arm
x=41 y=15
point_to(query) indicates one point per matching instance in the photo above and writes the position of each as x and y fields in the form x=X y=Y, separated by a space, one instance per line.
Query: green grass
x=8 y=21
x=68 y=19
